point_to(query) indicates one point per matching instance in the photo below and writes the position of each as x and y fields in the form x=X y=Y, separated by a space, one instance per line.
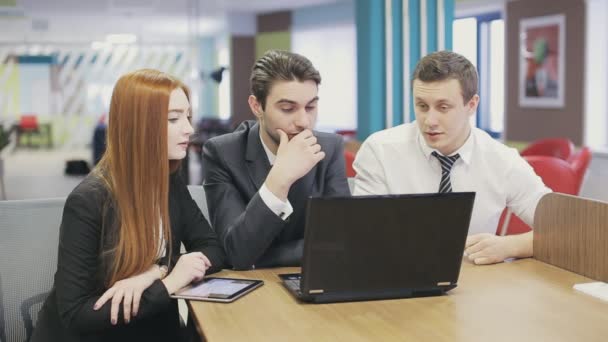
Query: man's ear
x=256 y=106
x=472 y=104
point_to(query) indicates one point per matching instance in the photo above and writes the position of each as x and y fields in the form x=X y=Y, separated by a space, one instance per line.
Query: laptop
x=381 y=247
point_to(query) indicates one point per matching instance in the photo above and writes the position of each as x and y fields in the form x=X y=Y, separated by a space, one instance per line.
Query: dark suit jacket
x=235 y=168
x=68 y=315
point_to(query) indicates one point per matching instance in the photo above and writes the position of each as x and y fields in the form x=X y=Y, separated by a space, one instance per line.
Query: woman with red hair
x=121 y=230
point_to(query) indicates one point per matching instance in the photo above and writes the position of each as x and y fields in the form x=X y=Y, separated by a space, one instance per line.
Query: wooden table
x=524 y=300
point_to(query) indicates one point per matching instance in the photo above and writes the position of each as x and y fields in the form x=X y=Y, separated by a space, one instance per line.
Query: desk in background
x=524 y=300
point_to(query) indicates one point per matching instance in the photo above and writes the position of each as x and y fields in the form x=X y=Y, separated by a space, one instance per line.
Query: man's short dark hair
x=278 y=65
x=444 y=65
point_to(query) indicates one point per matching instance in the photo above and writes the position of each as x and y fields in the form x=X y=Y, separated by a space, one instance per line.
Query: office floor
x=40 y=173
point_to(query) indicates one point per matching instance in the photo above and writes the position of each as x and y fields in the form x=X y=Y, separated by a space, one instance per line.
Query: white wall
x=596 y=75
x=326 y=35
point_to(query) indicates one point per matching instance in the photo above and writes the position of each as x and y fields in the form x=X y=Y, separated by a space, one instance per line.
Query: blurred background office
x=542 y=66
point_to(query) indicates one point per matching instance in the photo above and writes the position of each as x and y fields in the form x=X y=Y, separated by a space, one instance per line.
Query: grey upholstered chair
x=29 y=235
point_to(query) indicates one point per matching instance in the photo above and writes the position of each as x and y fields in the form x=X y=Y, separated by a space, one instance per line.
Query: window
x=481 y=39
x=330 y=49
x=463 y=30
x=223 y=59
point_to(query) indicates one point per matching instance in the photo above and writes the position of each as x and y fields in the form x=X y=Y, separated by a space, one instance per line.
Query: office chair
x=2 y=320
x=349 y=159
x=580 y=163
x=28 y=261
x=557 y=174
x=561 y=148
x=27 y=128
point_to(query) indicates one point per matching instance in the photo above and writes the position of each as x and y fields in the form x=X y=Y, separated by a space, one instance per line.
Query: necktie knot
x=446 y=162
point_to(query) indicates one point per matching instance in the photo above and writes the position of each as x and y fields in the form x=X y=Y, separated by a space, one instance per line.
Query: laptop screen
x=374 y=242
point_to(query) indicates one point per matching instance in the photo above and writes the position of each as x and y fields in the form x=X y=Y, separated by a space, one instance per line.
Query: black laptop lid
x=372 y=243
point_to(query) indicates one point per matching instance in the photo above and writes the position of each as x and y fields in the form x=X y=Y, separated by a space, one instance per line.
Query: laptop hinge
x=315 y=291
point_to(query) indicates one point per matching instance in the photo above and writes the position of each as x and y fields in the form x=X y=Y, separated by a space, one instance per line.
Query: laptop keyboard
x=293 y=285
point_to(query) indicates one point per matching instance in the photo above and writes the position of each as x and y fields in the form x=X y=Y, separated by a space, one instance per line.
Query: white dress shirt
x=276 y=205
x=398 y=161
x=162 y=247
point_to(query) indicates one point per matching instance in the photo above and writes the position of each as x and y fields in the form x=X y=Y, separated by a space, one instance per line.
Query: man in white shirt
x=441 y=152
x=257 y=179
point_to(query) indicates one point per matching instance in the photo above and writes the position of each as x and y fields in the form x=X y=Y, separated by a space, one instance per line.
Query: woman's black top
x=85 y=253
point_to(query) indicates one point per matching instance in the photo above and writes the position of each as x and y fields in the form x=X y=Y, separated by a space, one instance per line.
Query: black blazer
x=68 y=315
x=235 y=167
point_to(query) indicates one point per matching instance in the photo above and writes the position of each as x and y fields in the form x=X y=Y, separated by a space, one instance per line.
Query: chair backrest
x=349 y=159
x=580 y=163
x=28 y=122
x=556 y=173
x=29 y=236
x=198 y=194
x=561 y=148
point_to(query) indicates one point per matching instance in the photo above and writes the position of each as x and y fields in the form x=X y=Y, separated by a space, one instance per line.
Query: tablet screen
x=222 y=289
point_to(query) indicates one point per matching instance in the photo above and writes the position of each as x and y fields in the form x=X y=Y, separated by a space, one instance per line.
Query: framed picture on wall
x=541 y=62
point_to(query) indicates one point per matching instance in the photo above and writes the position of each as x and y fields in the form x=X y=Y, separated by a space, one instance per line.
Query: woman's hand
x=128 y=291
x=190 y=267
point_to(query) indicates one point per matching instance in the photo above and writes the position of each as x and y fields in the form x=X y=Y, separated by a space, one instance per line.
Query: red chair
x=561 y=148
x=349 y=158
x=26 y=129
x=347 y=133
x=580 y=163
x=557 y=174
x=28 y=122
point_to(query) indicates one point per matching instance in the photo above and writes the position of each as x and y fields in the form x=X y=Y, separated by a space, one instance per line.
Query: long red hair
x=135 y=168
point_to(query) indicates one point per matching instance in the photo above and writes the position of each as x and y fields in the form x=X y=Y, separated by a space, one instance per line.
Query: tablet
x=215 y=289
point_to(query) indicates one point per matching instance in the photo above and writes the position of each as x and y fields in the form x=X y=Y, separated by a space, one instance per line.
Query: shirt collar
x=271 y=156
x=465 y=151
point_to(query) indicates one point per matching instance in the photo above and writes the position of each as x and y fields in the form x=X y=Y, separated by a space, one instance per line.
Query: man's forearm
x=522 y=245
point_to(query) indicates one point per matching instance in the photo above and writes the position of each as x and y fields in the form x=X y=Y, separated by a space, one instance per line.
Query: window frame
x=483 y=117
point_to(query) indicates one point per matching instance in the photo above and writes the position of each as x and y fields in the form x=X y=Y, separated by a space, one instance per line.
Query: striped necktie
x=446 y=166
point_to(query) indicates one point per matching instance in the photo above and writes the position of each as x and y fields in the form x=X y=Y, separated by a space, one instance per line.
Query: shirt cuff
x=280 y=208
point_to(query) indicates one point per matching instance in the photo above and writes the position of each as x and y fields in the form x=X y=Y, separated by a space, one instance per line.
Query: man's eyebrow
x=316 y=98
x=444 y=101
x=286 y=101
x=436 y=101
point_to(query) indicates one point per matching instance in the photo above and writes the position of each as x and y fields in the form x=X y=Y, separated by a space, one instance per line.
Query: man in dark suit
x=258 y=178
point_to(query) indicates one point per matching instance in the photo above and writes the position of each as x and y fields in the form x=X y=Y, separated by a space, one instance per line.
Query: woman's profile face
x=179 y=128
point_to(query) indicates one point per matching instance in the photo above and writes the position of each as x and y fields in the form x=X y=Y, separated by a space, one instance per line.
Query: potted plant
x=4 y=137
